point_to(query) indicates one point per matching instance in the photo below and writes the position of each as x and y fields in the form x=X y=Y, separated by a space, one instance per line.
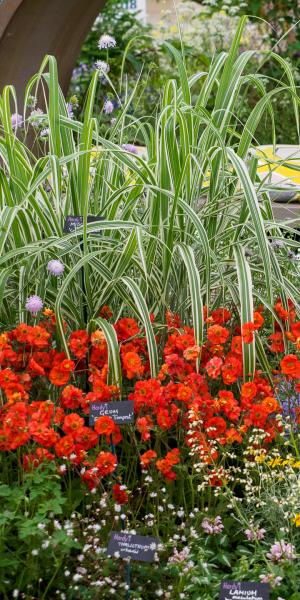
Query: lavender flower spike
x=106 y=41
x=34 y=304
x=55 y=267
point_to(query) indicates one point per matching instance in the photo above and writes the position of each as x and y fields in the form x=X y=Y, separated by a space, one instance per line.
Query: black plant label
x=121 y=412
x=136 y=547
x=244 y=590
x=73 y=222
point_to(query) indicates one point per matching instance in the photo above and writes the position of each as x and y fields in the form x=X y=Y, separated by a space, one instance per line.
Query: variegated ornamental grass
x=159 y=245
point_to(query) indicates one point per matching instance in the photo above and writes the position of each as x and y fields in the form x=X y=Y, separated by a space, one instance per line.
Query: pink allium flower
x=34 y=304
x=255 y=534
x=106 y=41
x=16 y=121
x=108 y=107
x=55 y=267
x=212 y=526
x=281 y=551
x=130 y=148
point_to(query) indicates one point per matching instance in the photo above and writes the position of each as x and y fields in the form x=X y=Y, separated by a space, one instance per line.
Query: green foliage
x=32 y=541
x=173 y=213
x=141 y=56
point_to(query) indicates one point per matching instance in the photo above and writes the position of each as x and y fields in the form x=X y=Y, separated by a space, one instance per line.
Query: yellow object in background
x=280 y=166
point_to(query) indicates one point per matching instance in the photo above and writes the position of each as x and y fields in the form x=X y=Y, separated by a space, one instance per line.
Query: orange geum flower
x=221 y=315
x=184 y=393
x=236 y=345
x=38 y=337
x=217 y=334
x=98 y=338
x=258 y=320
x=67 y=365
x=249 y=390
x=72 y=422
x=7 y=376
x=232 y=435
x=132 y=364
x=106 y=463
x=277 y=344
x=126 y=328
x=65 y=446
x=71 y=397
x=247 y=332
x=106 y=312
x=104 y=425
x=147 y=457
x=3 y=340
x=271 y=404
x=86 y=437
x=213 y=367
x=192 y=352
x=290 y=365
x=59 y=377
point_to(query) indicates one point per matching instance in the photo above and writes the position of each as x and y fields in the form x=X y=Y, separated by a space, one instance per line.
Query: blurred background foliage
x=202 y=29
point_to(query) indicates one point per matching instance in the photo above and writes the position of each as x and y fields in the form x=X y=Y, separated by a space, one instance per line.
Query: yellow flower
x=296 y=520
x=260 y=458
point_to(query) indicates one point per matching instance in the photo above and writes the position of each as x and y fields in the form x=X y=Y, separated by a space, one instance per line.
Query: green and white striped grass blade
x=246 y=304
x=114 y=362
x=144 y=315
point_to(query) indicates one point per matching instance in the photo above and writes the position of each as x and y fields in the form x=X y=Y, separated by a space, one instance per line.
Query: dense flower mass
x=200 y=415
x=183 y=397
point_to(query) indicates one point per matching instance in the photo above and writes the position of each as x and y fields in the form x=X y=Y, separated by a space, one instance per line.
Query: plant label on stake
x=244 y=590
x=136 y=547
x=121 y=411
x=72 y=222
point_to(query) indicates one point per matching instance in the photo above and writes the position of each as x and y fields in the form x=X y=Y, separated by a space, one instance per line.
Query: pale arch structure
x=29 y=29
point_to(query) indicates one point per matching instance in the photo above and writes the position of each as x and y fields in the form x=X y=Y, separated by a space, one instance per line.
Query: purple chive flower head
x=212 y=526
x=106 y=41
x=45 y=132
x=36 y=117
x=102 y=66
x=34 y=304
x=108 y=107
x=130 y=148
x=255 y=534
x=16 y=121
x=55 y=267
x=281 y=551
